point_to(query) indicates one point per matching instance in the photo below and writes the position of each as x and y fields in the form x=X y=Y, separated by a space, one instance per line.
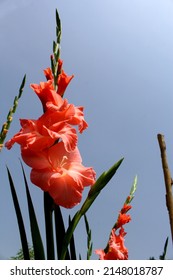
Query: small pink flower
x=126 y=208
x=60 y=173
x=116 y=249
x=122 y=220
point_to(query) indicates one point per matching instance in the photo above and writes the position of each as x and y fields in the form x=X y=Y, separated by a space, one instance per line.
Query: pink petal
x=37 y=160
x=41 y=178
x=65 y=191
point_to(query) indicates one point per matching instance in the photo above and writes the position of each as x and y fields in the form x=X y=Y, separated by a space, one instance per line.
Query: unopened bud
x=1 y=146
x=10 y=119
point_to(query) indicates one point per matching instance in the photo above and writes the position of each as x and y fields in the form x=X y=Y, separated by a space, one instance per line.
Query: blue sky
x=121 y=55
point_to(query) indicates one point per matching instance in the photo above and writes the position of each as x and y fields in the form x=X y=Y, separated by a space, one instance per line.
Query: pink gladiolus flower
x=126 y=208
x=60 y=173
x=122 y=220
x=116 y=248
x=53 y=101
x=47 y=95
x=55 y=123
x=40 y=134
x=49 y=144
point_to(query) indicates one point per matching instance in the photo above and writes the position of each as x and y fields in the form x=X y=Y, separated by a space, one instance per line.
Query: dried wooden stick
x=168 y=180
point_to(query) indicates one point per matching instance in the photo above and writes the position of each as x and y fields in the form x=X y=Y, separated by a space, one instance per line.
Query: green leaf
x=163 y=256
x=89 y=243
x=48 y=210
x=72 y=246
x=101 y=182
x=93 y=193
x=59 y=231
x=19 y=219
x=35 y=232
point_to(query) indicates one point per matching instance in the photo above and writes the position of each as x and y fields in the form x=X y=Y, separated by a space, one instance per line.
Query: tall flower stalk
x=49 y=147
x=115 y=248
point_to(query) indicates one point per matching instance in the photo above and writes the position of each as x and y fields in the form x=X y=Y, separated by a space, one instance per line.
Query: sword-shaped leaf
x=21 y=226
x=35 y=232
x=93 y=193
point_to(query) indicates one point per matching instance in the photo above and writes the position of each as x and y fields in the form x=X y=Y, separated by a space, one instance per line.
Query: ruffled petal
x=84 y=176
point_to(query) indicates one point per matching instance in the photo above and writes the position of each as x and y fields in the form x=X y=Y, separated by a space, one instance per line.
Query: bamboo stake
x=168 y=180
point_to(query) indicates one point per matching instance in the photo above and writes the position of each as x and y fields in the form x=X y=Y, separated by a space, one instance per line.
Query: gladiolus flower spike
x=49 y=143
x=49 y=146
x=115 y=249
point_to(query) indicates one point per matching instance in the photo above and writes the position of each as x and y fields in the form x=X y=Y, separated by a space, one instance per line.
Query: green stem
x=48 y=209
